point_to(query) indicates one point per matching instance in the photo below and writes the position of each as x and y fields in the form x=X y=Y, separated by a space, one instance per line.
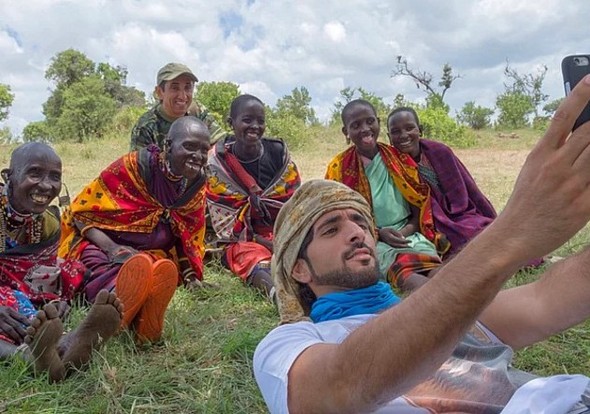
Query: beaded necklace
x=167 y=171
x=17 y=228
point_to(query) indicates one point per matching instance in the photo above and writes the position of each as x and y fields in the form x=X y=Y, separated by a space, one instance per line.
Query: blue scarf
x=372 y=299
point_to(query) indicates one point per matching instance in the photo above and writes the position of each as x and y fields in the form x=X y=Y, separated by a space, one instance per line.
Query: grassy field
x=203 y=364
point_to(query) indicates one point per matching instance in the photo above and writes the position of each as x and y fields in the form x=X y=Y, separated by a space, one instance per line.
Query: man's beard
x=346 y=277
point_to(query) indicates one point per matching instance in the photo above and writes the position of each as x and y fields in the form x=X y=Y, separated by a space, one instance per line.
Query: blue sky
x=270 y=47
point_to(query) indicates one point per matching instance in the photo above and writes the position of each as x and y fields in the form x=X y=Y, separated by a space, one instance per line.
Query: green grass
x=204 y=364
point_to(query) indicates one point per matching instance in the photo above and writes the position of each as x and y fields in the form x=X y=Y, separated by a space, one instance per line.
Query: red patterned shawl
x=35 y=270
x=347 y=168
x=229 y=198
x=119 y=200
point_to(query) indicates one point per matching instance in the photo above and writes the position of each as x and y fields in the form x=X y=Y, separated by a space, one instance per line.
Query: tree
x=475 y=116
x=529 y=85
x=69 y=67
x=87 y=110
x=37 y=131
x=298 y=104
x=515 y=109
x=346 y=95
x=66 y=68
x=115 y=80
x=437 y=124
x=424 y=80
x=400 y=100
x=551 y=107
x=381 y=107
x=6 y=136
x=85 y=98
x=521 y=99
x=52 y=107
x=6 y=99
x=217 y=98
x=287 y=127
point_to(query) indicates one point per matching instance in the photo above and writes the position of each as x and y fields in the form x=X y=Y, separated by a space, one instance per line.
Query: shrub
x=37 y=131
x=126 y=118
x=87 y=111
x=217 y=98
x=286 y=126
x=438 y=125
x=6 y=136
x=475 y=117
x=541 y=123
x=515 y=108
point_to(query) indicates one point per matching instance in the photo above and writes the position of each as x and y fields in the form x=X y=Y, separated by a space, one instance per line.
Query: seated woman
x=250 y=177
x=150 y=201
x=31 y=275
x=460 y=210
x=407 y=245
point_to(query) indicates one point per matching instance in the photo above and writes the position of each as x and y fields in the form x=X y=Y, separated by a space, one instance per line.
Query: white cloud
x=335 y=31
x=270 y=47
x=8 y=44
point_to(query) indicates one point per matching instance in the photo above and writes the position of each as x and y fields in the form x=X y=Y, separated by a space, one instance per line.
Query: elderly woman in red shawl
x=139 y=227
x=459 y=208
x=250 y=177
x=32 y=277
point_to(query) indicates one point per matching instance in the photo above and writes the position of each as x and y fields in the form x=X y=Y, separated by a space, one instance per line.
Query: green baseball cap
x=173 y=71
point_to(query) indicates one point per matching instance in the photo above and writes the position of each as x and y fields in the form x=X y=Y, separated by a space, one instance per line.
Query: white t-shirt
x=280 y=348
x=476 y=378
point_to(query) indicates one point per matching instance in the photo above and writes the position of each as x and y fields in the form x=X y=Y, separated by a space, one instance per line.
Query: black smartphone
x=574 y=68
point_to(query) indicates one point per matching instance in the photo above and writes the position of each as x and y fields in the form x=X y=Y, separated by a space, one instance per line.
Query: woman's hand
x=263 y=241
x=115 y=252
x=191 y=282
x=190 y=279
x=63 y=309
x=261 y=209
x=393 y=238
x=119 y=254
x=13 y=324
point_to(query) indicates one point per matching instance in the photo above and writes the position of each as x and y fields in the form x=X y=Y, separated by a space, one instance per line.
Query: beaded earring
x=167 y=169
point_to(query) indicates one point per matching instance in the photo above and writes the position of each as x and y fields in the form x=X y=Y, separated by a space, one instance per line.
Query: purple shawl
x=459 y=208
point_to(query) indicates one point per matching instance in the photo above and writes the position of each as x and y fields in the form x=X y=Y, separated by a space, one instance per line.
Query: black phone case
x=573 y=72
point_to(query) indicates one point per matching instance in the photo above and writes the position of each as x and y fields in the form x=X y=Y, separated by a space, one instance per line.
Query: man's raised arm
x=405 y=344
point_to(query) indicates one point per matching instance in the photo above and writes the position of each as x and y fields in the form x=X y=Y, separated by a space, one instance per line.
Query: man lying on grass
x=448 y=346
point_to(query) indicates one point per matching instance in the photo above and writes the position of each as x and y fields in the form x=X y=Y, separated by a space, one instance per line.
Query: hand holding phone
x=574 y=68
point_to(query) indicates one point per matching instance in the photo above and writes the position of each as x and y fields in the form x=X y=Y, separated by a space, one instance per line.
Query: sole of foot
x=43 y=335
x=101 y=323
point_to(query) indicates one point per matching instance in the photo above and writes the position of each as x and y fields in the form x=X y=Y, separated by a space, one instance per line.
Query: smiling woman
x=460 y=210
x=251 y=176
x=31 y=275
x=139 y=227
x=29 y=230
x=408 y=244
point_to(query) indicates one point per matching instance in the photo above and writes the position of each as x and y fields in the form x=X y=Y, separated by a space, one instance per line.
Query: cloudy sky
x=269 y=47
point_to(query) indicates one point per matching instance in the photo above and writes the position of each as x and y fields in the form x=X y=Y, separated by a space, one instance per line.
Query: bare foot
x=42 y=337
x=102 y=322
